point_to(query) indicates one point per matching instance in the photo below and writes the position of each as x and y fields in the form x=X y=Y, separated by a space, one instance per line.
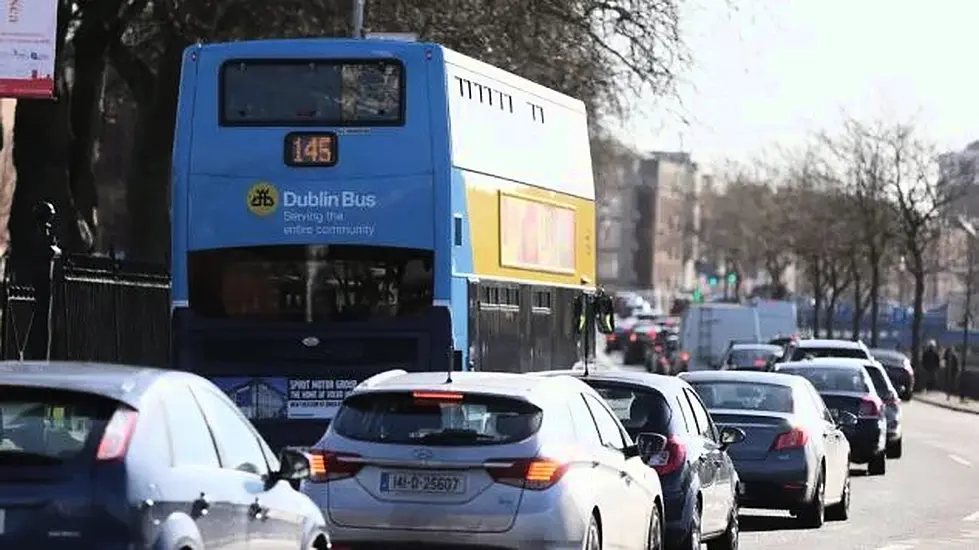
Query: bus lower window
x=310 y=283
x=274 y=92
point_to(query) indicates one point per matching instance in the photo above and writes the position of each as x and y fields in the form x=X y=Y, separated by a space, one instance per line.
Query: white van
x=708 y=329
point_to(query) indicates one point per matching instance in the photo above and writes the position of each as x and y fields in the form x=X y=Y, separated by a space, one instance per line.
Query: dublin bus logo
x=262 y=198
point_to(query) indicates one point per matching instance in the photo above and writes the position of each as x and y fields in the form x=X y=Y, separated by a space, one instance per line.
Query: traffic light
x=698 y=296
x=712 y=280
x=732 y=278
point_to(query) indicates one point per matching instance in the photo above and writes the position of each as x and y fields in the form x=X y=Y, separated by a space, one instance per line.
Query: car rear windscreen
x=832 y=379
x=884 y=390
x=756 y=357
x=437 y=418
x=639 y=410
x=45 y=427
x=844 y=353
x=745 y=396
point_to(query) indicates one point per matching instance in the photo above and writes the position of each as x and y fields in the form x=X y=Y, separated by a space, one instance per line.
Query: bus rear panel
x=304 y=225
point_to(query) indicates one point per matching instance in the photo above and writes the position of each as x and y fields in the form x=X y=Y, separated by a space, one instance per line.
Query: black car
x=750 y=356
x=847 y=386
x=795 y=455
x=119 y=457
x=641 y=341
x=899 y=370
x=700 y=483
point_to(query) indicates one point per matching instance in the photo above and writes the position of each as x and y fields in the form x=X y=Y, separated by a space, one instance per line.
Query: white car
x=484 y=460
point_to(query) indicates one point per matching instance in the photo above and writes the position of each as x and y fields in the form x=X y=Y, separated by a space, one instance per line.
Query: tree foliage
x=844 y=211
x=119 y=61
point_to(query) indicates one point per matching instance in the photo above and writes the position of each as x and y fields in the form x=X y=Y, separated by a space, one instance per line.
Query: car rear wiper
x=454 y=434
x=15 y=457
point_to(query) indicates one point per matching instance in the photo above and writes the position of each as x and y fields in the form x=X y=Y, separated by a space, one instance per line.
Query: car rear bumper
x=552 y=529
x=867 y=439
x=780 y=482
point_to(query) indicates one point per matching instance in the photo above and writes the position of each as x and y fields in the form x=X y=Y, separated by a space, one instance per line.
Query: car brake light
x=684 y=356
x=437 y=395
x=118 y=432
x=869 y=407
x=792 y=439
x=535 y=474
x=673 y=456
x=609 y=337
x=326 y=466
x=658 y=348
x=760 y=362
x=632 y=337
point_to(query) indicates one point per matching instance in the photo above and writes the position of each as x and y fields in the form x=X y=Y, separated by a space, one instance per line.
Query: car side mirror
x=650 y=444
x=845 y=419
x=293 y=465
x=731 y=435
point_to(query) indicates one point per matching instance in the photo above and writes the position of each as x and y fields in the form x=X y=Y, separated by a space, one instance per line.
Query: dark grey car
x=115 y=457
x=794 y=456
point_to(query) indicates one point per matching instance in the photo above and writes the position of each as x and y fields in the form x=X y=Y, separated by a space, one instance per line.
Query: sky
x=765 y=73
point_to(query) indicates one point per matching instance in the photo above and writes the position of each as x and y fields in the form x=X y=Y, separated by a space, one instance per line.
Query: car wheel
x=841 y=510
x=813 y=514
x=731 y=537
x=895 y=449
x=593 y=536
x=692 y=540
x=655 y=541
x=877 y=465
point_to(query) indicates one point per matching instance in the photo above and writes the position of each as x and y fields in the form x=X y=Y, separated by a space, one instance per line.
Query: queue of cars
x=125 y=457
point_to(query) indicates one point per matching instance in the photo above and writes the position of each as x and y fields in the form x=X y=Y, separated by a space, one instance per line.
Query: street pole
x=357 y=19
x=970 y=276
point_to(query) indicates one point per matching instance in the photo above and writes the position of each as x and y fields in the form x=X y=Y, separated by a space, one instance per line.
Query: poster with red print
x=27 y=47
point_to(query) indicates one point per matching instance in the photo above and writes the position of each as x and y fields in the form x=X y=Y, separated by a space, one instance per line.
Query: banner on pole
x=28 y=31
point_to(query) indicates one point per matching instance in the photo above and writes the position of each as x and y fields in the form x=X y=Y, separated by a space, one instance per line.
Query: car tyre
x=691 y=539
x=593 y=536
x=895 y=449
x=813 y=514
x=730 y=540
x=877 y=465
x=841 y=510
x=655 y=539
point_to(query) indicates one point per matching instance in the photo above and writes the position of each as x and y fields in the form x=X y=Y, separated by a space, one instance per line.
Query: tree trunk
x=90 y=44
x=148 y=184
x=874 y=298
x=817 y=294
x=857 y=303
x=918 y=315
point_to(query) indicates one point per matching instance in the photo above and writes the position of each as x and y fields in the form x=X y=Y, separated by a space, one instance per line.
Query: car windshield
x=437 y=419
x=745 y=396
x=639 y=410
x=844 y=353
x=48 y=427
x=831 y=379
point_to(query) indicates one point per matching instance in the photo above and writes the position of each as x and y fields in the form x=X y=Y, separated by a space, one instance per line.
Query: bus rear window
x=312 y=284
x=312 y=93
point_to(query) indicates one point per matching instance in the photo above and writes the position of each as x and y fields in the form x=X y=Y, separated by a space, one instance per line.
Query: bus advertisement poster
x=275 y=397
x=27 y=49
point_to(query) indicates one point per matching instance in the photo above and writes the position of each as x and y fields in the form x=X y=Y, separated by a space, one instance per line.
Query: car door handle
x=258 y=511
x=200 y=506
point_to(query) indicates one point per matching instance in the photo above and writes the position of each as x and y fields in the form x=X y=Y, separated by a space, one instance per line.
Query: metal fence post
x=45 y=259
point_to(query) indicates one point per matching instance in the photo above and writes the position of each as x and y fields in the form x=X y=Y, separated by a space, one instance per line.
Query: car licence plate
x=423 y=483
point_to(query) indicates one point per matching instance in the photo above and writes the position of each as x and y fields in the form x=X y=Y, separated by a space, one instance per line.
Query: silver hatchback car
x=484 y=460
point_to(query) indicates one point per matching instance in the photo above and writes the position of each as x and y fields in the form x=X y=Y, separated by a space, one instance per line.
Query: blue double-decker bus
x=346 y=207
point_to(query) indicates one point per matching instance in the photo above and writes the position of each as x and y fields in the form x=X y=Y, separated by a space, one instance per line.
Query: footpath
x=941 y=399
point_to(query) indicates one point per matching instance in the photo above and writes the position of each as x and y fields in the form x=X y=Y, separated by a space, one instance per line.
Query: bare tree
x=921 y=199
